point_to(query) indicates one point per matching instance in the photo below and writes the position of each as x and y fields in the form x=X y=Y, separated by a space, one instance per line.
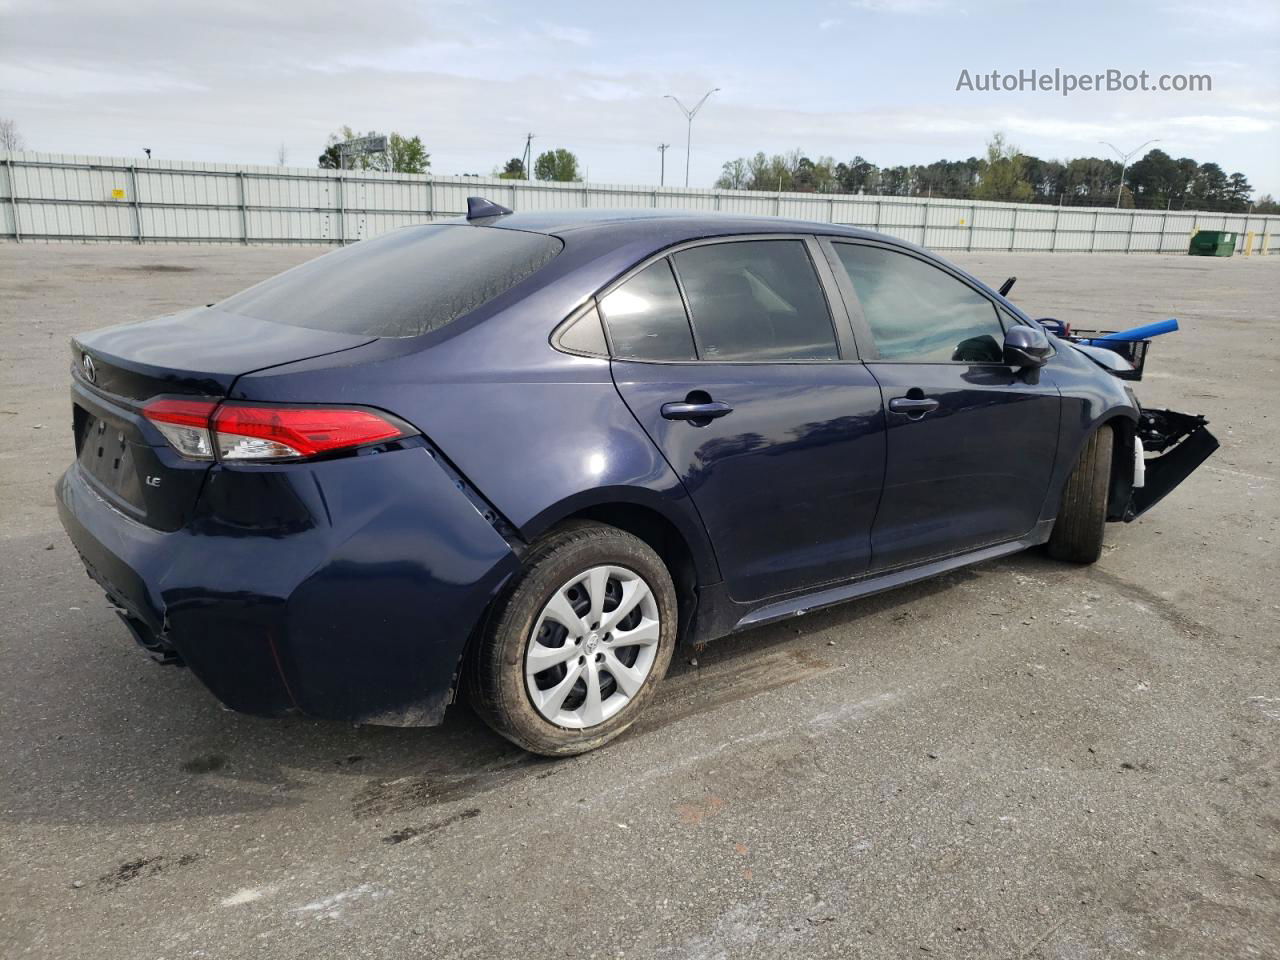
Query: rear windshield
x=403 y=284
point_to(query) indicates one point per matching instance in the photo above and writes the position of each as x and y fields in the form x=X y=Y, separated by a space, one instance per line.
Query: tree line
x=408 y=155
x=1157 y=181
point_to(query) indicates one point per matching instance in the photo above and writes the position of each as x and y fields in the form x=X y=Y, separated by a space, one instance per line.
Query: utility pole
x=1124 y=163
x=689 y=115
x=528 y=156
x=662 y=173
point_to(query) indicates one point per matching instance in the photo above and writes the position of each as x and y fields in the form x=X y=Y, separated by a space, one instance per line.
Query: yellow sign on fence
x=117 y=194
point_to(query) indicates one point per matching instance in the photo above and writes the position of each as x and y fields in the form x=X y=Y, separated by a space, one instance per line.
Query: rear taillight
x=205 y=430
x=185 y=424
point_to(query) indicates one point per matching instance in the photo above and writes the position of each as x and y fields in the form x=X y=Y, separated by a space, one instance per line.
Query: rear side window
x=920 y=313
x=756 y=300
x=403 y=284
x=646 y=317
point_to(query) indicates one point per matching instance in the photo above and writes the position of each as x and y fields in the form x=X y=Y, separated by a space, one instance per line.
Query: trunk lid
x=200 y=352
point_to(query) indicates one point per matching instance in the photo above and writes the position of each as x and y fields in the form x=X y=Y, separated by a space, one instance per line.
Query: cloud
x=1255 y=16
x=900 y=6
x=230 y=81
x=574 y=35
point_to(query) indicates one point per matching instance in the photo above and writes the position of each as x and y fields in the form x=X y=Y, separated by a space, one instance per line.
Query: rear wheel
x=571 y=652
x=1082 y=517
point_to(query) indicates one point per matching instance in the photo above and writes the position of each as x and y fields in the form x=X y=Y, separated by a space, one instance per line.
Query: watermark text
x=1066 y=83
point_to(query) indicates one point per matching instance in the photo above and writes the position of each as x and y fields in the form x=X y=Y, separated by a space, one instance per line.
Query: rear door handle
x=914 y=407
x=695 y=411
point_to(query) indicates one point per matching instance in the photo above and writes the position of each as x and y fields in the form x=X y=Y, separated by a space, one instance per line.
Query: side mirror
x=1026 y=347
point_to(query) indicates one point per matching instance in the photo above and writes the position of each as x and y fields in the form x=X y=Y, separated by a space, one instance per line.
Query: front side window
x=918 y=312
x=646 y=317
x=756 y=300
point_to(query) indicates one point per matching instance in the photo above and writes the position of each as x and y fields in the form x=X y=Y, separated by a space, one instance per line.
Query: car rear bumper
x=346 y=589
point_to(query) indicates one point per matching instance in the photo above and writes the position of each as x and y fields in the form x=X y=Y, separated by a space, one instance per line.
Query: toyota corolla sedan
x=533 y=453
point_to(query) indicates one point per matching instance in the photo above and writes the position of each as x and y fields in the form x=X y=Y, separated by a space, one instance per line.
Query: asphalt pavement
x=1020 y=759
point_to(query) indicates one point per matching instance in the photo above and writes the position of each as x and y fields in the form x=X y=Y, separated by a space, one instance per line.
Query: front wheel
x=1082 y=518
x=572 y=652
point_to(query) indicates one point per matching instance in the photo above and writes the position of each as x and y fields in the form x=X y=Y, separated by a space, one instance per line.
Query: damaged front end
x=1170 y=447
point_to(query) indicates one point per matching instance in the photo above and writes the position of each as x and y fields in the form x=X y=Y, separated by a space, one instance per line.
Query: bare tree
x=282 y=155
x=10 y=138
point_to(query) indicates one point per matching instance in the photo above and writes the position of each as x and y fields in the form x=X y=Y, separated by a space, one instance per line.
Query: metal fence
x=58 y=197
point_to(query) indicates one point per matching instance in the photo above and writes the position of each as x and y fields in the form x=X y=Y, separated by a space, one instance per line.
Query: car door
x=971 y=441
x=729 y=356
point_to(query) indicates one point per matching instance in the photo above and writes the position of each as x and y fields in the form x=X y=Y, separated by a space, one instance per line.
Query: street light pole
x=1124 y=163
x=662 y=173
x=689 y=115
x=528 y=156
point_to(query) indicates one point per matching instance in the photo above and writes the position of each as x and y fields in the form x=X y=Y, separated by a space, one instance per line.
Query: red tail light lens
x=277 y=433
x=185 y=424
x=203 y=430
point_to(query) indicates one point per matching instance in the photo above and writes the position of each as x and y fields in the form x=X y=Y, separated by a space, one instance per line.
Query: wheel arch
x=664 y=521
x=1123 y=419
x=676 y=538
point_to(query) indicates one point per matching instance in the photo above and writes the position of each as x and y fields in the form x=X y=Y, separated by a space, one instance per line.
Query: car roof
x=671 y=225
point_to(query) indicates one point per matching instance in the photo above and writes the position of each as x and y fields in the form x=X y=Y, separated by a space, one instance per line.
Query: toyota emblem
x=90 y=373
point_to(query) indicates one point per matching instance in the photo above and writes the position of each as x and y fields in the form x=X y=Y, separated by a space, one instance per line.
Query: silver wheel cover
x=592 y=648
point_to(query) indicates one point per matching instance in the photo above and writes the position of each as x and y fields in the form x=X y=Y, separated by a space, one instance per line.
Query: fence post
x=244 y=209
x=1093 y=234
x=137 y=205
x=1013 y=231
x=431 y=200
x=342 y=210
x=831 y=210
x=973 y=213
x=1133 y=219
x=924 y=226
x=13 y=200
x=1057 y=218
x=877 y=225
x=1164 y=229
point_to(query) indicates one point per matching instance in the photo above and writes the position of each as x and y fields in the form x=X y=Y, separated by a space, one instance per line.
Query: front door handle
x=913 y=407
x=695 y=411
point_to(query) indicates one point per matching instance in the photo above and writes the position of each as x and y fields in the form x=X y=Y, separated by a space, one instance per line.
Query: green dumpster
x=1212 y=243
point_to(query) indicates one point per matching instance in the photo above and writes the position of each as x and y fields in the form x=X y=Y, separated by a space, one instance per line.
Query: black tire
x=1082 y=517
x=495 y=674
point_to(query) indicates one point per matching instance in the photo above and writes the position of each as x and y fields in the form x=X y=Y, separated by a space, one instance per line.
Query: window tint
x=756 y=300
x=403 y=284
x=646 y=317
x=918 y=312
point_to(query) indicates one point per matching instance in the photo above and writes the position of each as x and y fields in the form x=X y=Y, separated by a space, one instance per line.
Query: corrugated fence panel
x=57 y=197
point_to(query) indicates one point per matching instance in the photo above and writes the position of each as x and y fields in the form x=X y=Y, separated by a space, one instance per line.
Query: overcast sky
x=231 y=80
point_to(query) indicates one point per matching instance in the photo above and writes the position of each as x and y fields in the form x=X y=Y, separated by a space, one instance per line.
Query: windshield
x=403 y=284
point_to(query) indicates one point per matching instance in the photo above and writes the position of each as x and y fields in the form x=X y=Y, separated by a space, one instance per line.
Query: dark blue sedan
x=532 y=453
